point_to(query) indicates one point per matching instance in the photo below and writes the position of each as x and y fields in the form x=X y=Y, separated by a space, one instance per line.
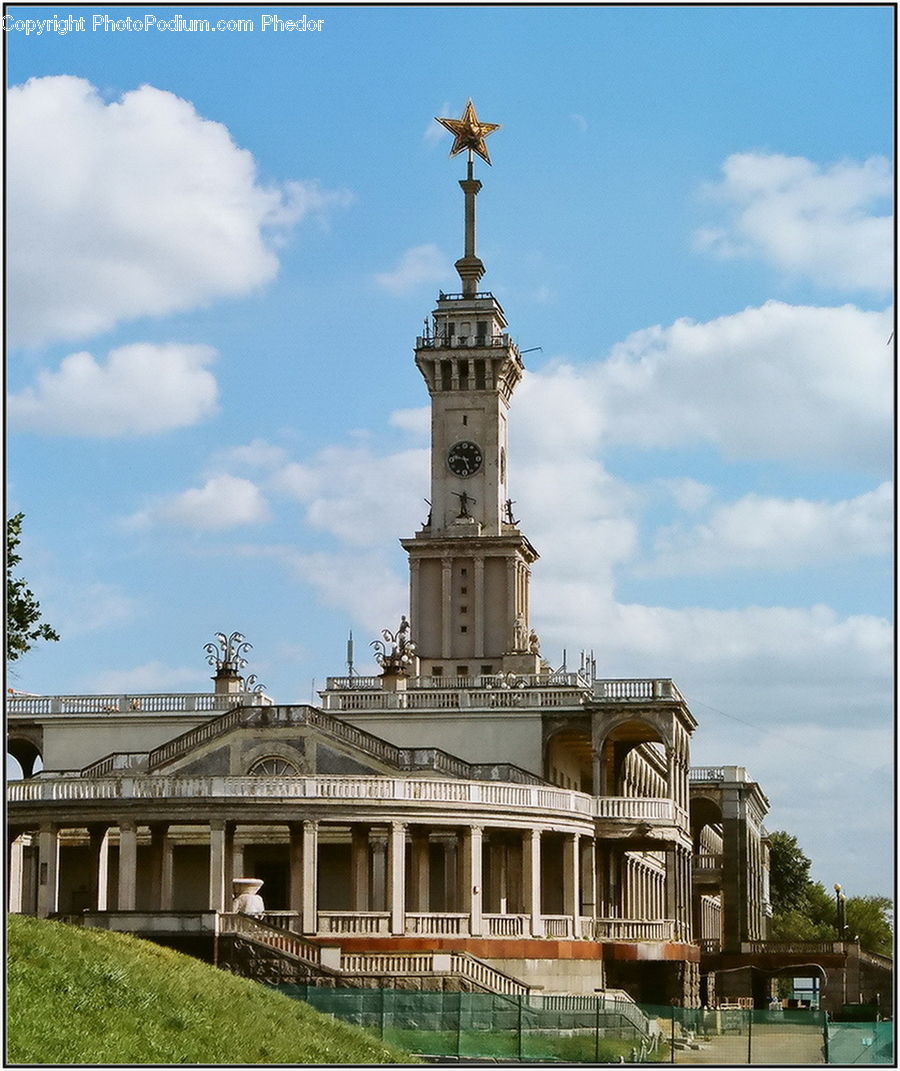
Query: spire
x=469 y=134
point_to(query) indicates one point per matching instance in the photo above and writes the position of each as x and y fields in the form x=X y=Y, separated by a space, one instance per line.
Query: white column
x=589 y=879
x=127 y=866
x=167 y=874
x=295 y=867
x=531 y=879
x=310 y=877
x=217 y=901
x=451 y=875
x=421 y=872
x=14 y=875
x=472 y=876
x=359 y=867
x=570 y=881
x=98 y=884
x=396 y=866
x=379 y=873
x=48 y=871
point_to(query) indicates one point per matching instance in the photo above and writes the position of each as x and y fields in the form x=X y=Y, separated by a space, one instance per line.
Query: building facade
x=469 y=799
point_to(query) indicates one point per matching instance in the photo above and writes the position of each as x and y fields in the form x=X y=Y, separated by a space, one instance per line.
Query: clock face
x=464 y=458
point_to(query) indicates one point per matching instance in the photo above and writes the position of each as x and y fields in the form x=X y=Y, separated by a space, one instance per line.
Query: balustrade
x=507 y=925
x=559 y=926
x=352 y=923
x=154 y=703
x=634 y=929
x=437 y=925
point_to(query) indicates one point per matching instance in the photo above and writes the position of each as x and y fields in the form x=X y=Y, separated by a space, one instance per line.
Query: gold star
x=469 y=133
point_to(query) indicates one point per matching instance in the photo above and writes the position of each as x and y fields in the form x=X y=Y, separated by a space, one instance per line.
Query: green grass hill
x=77 y=996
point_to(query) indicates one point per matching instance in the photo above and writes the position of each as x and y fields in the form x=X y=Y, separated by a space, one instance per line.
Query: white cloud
x=360 y=498
x=150 y=677
x=808 y=220
x=223 y=502
x=793 y=383
x=761 y=532
x=255 y=455
x=419 y=265
x=135 y=207
x=142 y=389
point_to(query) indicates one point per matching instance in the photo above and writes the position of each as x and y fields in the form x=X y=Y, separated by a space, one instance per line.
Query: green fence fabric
x=595 y=1029
x=860 y=1043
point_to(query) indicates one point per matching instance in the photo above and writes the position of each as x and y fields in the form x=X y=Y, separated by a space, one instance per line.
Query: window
x=463 y=628
x=437 y=671
x=464 y=591
x=462 y=671
x=486 y=671
x=463 y=609
x=273 y=766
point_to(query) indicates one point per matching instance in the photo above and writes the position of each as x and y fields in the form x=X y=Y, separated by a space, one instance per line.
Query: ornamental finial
x=228 y=652
x=469 y=133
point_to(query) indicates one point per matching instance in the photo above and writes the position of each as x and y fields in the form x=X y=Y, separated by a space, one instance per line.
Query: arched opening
x=706 y=869
x=568 y=760
x=633 y=762
x=23 y=759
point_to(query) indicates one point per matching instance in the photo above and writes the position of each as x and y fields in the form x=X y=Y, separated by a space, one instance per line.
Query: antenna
x=350 y=654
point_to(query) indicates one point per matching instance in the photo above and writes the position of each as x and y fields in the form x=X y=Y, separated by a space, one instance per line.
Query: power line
x=794 y=743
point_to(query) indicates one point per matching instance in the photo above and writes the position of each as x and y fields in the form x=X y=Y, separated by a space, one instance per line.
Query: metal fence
x=596 y=1029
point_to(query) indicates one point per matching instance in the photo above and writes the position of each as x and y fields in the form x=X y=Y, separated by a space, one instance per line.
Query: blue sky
x=222 y=246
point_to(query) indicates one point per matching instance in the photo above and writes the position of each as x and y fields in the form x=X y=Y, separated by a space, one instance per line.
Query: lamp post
x=841 y=921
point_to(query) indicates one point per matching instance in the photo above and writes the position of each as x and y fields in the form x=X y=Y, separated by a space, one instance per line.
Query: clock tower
x=469 y=563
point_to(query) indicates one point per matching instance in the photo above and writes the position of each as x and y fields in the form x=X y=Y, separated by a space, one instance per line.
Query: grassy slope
x=84 y=996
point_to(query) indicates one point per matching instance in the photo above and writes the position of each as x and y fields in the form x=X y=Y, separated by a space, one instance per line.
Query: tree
x=788 y=873
x=804 y=910
x=23 y=611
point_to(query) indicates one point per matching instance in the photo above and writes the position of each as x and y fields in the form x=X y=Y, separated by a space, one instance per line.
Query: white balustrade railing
x=351 y=923
x=635 y=808
x=443 y=924
x=282 y=940
x=559 y=926
x=331 y=787
x=507 y=925
x=637 y=689
x=155 y=703
x=634 y=929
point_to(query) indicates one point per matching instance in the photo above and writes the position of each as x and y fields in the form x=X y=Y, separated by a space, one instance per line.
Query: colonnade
x=486 y=880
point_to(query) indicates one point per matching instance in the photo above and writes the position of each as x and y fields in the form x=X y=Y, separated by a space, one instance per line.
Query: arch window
x=273 y=766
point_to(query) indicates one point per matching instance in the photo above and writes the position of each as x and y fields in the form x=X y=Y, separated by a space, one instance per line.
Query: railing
x=489 y=794
x=710 y=946
x=180 y=745
x=635 y=808
x=487 y=977
x=446 y=924
x=557 y=925
x=478 y=682
x=792 y=948
x=634 y=929
x=157 y=703
x=405 y=964
x=281 y=940
x=707 y=773
x=353 y=923
x=707 y=861
x=637 y=689
x=507 y=925
x=118 y=760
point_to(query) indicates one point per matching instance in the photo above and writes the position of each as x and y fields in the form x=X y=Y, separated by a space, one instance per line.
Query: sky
x=222 y=245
